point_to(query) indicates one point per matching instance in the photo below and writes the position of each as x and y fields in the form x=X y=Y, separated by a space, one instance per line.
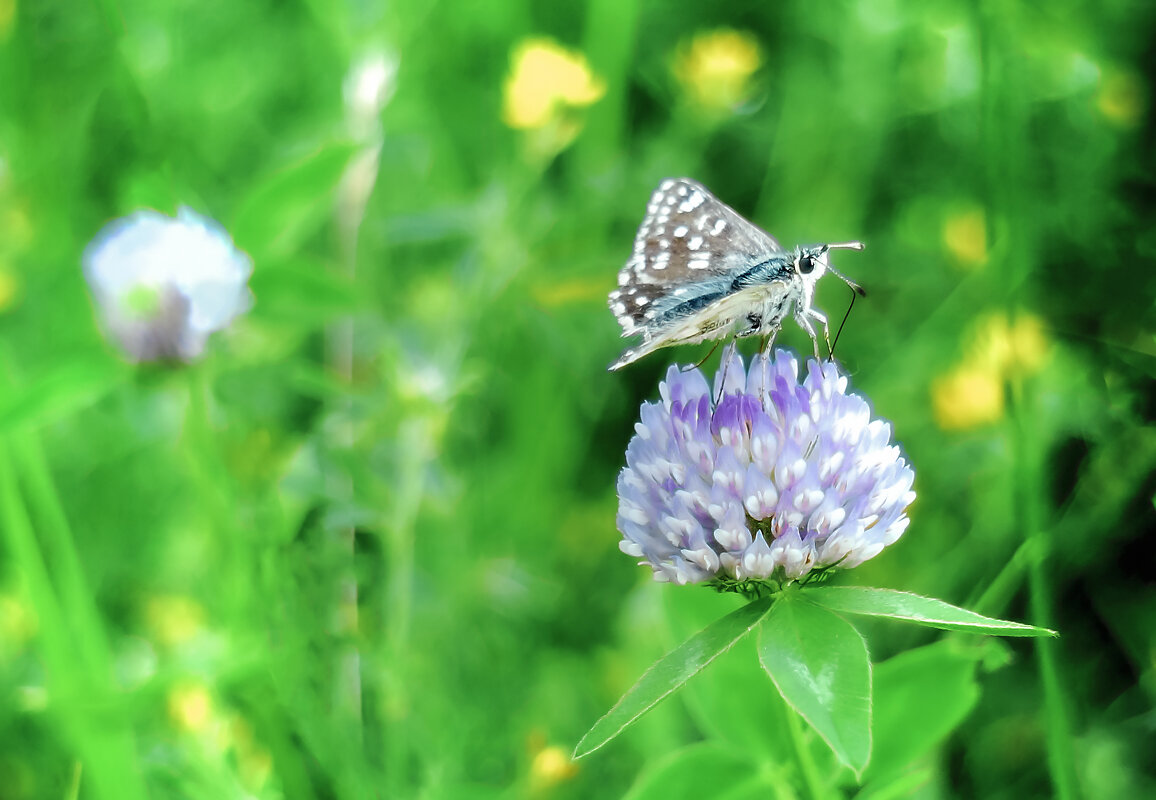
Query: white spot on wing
x=691 y=203
x=719 y=225
x=694 y=243
x=681 y=230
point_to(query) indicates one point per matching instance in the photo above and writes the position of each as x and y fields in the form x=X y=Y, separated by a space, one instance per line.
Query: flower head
x=545 y=80
x=777 y=478
x=715 y=68
x=162 y=285
x=971 y=394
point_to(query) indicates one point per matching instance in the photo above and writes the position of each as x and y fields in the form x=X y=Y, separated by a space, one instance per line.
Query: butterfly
x=699 y=271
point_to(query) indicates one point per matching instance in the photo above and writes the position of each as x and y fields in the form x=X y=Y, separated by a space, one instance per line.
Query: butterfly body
x=699 y=271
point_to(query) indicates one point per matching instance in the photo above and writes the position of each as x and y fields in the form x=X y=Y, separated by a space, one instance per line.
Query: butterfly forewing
x=688 y=238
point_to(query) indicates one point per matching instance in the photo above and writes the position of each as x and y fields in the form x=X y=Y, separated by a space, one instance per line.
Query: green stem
x=80 y=694
x=994 y=599
x=1060 y=747
x=75 y=596
x=1002 y=121
x=608 y=41
x=812 y=784
x=210 y=476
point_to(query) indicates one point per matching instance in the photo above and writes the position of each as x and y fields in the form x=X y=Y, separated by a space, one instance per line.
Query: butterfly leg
x=769 y=340
x=806 y=325
x=819 y=315
x=727 y=354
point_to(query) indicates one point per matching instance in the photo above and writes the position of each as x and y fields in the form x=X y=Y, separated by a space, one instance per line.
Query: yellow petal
x=715 y=68
x=545 y=79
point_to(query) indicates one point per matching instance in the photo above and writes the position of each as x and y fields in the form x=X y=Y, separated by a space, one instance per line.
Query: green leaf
x=288 y=207
x=914 y=608
x=920 y=696
x=709 y=769
x=672 y=671
x=819 y=663
x=731 y=701
x=303 y=292
x=58 y=391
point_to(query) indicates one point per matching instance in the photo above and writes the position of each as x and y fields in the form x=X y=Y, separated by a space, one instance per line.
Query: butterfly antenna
x=850 y=305
x=859 y=290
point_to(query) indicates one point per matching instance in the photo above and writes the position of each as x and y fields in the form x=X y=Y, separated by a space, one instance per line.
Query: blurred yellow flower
x=1010 y=347
x=715 y=68
x=254 y=763
x=965 y=235
x=190 y=706
x=972 y=394
x=7 y=17
x=967 y=397
x=577 y=290
x=551 y=766
x=545 y=81
x=173 y=619
x=1122 y=98
x=9 y=289
x=18 y=621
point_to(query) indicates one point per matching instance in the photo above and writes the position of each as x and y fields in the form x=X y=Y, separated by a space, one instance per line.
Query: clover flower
x=162 y=285
x=775 y=479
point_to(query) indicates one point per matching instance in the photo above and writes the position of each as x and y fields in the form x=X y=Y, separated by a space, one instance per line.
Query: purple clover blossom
x=776 y=479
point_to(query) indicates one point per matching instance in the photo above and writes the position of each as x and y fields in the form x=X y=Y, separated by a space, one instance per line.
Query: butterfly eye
x=806 y=265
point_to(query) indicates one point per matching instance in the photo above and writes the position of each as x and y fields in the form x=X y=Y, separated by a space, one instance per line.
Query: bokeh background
x=366 y=546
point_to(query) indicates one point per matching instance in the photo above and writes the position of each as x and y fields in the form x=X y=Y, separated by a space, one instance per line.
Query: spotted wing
x=688 y=240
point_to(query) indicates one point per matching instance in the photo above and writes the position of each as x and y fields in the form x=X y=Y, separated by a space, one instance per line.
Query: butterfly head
x=811 y=263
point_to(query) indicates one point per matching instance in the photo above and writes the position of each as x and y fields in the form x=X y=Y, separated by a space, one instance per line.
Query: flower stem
x=813 y=787
x=1061 y=753
x=76 y=673
x=993 y=600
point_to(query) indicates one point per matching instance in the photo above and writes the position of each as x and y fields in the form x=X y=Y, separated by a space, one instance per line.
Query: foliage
x=366 y=545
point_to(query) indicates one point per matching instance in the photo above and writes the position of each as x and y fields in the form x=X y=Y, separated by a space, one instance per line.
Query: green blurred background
x=366 y=547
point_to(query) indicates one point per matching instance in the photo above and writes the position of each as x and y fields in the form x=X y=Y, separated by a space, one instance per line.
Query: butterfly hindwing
x=688 y=240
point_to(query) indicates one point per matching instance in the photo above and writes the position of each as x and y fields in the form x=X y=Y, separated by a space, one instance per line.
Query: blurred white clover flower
x=776 y=479
x=162 y=285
